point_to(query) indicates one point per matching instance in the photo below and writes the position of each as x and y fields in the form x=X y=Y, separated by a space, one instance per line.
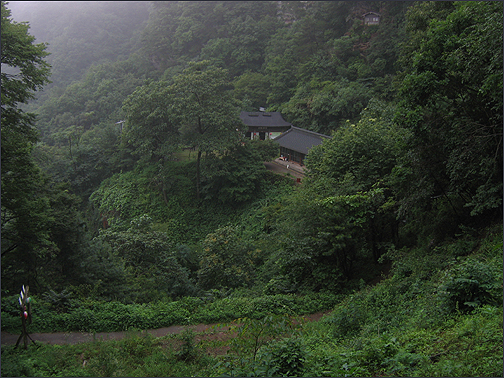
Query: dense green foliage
x=453 y=106
x=132 y=200
x=25 y=209
x=424 y=320
x=80 y=313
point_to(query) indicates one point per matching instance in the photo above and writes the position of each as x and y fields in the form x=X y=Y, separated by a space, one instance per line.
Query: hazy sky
x=23 y=10
x=18 y=7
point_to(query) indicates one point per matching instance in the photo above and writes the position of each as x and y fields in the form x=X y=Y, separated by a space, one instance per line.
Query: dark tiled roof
x=371 y=13
x=300 y=140
x=270 y=119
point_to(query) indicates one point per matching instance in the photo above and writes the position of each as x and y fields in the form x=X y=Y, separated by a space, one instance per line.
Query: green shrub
x=138 y=346
x=59 y=302
x=403 y=362
x=279 y=284
x=10 y=305
x=106 y=362
x=188 y=349
x=347 y=320
x=227 y=309
x=287 y=358
x=473 y=284
x=247 y=356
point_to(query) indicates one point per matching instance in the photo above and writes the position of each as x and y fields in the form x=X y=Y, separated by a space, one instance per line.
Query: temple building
x=296 y=142
x=264 y=125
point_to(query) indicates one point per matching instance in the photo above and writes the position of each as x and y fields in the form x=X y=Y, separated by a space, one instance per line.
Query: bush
x=472 y=284
x=347 y=320
x=227 y=260
x=187 y=350
x=287 y=358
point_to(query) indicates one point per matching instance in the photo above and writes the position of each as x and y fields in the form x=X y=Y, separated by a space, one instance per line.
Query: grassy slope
x=439 y=314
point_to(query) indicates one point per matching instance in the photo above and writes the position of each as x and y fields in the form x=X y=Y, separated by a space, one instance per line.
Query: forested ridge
x=127 y=180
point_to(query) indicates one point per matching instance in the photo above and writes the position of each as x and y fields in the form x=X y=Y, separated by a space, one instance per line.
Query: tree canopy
x=25 y=210
x=451 y=99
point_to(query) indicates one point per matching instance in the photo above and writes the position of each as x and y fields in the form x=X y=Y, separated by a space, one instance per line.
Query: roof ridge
x=308 y=131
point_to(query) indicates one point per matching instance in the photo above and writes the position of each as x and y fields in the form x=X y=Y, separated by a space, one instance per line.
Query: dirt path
x=281 y=169
x=62 y=338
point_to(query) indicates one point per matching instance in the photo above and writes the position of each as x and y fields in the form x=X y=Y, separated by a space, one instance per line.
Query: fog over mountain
x=80 y=34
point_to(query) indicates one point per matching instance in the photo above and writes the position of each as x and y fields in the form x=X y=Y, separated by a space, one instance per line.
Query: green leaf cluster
x=452 y=103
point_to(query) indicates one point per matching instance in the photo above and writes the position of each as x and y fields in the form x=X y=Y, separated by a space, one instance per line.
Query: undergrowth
x=96 y=316
x=439 y=313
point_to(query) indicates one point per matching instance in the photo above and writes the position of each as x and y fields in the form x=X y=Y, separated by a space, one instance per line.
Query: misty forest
x=133 y=196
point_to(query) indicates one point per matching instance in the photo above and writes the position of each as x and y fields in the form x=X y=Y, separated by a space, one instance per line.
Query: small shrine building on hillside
x=372 y=18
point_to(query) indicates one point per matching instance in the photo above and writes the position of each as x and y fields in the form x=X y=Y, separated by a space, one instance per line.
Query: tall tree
x=451 y=99
x=206 y=111
x=151 y=265
x=235 y=176
x=227 y=260
x=149 y=127
x=25 y=210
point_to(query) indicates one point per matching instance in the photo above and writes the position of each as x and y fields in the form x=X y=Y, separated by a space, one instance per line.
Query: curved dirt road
x=62 y=338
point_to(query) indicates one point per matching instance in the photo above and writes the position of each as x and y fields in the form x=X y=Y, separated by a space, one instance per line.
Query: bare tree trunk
x=198 y=177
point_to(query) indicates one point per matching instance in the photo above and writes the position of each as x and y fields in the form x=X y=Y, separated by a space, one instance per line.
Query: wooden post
x=25 y=306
